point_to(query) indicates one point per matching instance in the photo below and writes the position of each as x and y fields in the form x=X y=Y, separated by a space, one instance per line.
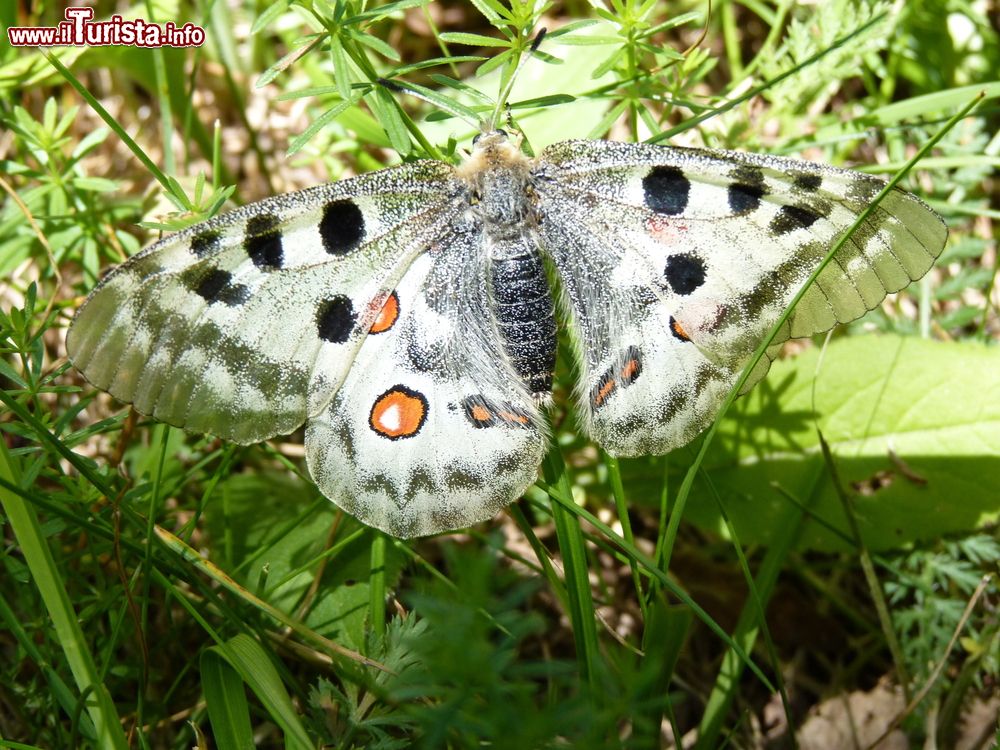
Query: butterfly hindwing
x=675 y=263
x=432 y=429
x=244 y=325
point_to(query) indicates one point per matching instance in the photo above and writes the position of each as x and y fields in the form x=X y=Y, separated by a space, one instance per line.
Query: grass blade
x=226 y=701
x=574 y=556
x=38 y=557
x=253 y=665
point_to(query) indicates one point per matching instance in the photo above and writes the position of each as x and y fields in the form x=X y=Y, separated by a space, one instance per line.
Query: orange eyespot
x=398 y=413
x=483 y=412
x=480 y=413
x=509 y=416
x=387 y=316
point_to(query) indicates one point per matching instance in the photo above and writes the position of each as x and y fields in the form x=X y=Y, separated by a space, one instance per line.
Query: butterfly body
x=406 y=316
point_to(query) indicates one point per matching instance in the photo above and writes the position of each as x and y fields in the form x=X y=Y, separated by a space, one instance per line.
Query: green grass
x=166 y=590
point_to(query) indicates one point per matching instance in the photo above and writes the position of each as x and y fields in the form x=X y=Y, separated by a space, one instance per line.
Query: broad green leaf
x=914 y=427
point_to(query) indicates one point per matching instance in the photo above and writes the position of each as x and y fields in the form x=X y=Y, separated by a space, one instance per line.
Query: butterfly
x=408 y=317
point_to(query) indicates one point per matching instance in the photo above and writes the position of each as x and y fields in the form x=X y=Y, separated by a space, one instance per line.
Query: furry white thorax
x=498 y=175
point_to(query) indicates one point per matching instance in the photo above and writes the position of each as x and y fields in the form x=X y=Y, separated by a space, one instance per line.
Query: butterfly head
x=493 y=150
x=496 y=146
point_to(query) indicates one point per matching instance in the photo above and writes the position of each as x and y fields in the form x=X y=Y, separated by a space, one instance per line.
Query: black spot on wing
x=789 y=218
x=666 y=190
x=808 y=181
x=746 y=190
x=744 y=197
x=342 y=227
x=684 y=273
x=205 y=243
x=335 y=319
x=215 y=285
x=263 y=242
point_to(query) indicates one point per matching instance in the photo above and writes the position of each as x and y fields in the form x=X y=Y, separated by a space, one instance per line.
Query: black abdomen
x=525 y=313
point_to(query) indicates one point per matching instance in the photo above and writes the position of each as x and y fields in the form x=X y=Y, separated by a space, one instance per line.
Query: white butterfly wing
x=244 y=325
x=433 y=429
x=675 y=263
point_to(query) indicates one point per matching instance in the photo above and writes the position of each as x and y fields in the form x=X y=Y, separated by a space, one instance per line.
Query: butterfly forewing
x=244 y=325
x=695 y=255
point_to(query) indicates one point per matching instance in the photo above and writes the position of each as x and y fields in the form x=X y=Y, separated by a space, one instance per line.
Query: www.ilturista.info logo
x=79 y=30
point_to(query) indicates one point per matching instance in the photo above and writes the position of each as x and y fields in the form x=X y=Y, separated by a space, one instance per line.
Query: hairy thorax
x=499 y=180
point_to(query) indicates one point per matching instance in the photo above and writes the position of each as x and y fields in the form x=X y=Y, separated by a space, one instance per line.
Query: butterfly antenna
x=502 y=99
